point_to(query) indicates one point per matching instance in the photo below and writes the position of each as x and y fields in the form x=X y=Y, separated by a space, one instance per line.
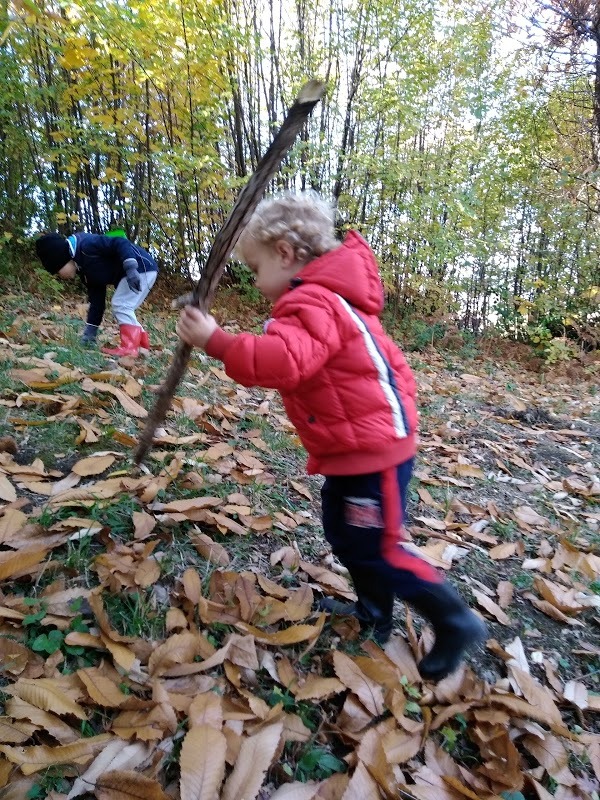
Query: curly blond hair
x=303 y=219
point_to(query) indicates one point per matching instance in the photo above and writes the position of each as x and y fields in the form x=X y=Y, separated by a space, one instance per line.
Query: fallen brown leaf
x=317 y=688
x=115 y=756
x=128 y=785
x=296 y=791
x=7 y=490
x=93 y=465
x=256 y=755
x=100 y=688
x=369 y=693
x=46 y=694
x=11 y=522
x=37 y=757
x=502 y=551
x=493 y=608
x=202 y=763
x=13 y=564
x=210 y=550
x=129 y=405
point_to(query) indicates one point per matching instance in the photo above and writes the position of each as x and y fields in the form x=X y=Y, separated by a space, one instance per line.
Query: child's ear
x=286 y=253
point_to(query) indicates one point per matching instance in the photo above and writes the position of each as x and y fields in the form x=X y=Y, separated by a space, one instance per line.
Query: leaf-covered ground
x=157 y=628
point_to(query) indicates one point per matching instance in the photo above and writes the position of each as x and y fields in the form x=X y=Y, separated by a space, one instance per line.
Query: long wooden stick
x=223 y=244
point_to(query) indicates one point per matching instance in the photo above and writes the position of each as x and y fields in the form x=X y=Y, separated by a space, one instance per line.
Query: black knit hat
x=53 y=251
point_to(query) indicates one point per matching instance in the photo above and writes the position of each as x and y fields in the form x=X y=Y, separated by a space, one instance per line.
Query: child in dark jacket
x=102 y=261
x=352 y=397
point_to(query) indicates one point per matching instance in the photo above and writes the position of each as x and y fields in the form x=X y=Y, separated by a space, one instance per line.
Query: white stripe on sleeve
x=382 y=369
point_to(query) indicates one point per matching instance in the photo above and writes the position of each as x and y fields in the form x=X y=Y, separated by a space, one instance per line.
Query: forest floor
x=171 y=607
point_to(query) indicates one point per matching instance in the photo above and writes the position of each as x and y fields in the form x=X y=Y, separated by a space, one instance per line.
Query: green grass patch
x=316 y=763
x=523 y=580
x=51 y=780
x=136 y=614
x=47 y=640
x=507 y=531
x=116 y=515
x=79 y=558
x=52 y=442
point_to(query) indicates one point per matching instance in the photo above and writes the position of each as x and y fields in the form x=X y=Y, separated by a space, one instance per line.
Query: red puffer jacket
x=345 y=385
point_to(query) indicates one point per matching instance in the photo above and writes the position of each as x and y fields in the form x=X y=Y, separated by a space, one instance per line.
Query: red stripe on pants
x=391 y=543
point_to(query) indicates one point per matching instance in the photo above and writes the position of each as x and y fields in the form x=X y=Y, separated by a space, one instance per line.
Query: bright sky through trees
x=457 y=142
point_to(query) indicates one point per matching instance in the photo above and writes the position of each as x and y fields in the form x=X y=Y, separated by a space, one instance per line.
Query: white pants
x=125 y=300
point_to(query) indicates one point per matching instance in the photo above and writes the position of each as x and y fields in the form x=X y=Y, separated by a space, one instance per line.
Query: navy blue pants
x=363 y=517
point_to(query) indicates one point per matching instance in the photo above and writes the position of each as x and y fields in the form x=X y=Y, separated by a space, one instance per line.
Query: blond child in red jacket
x=352 y=397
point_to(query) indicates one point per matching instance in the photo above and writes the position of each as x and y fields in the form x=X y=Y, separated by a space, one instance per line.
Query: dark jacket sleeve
x=120 y=247
x=97 y=297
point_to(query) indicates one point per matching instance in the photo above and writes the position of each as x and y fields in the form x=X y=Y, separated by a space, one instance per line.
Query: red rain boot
x=144 y=340
x=130 y=342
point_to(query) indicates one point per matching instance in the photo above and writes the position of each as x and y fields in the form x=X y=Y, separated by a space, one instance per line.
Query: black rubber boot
x=455 y=626
x=90 y=332
x=373 y=609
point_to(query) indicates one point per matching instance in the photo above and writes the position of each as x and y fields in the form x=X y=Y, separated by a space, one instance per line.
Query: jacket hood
x=351 y=271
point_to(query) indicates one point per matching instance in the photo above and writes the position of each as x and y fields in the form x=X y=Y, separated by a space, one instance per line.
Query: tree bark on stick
x=223 y=244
